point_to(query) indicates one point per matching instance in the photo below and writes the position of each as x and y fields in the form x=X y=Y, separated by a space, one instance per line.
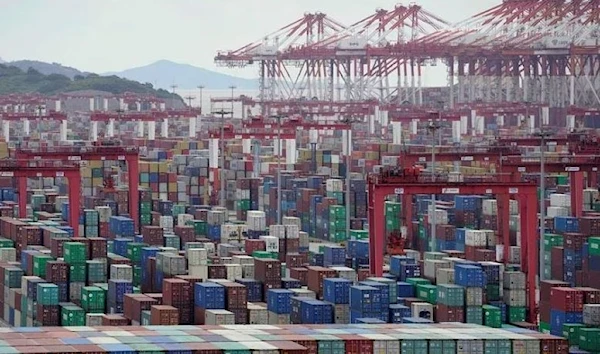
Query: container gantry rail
x=397 y=183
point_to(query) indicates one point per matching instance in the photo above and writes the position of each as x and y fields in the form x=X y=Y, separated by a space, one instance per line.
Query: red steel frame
x=410 y=158
x=526 y=193
x=23 y=169
x=89 y=153
x=575 y=166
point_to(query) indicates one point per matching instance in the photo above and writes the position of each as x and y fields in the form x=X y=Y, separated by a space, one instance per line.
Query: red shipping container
x=312 y=347
x=358 y=346
x=315 y=278
x=445 y=313
x=567 y=299
x=57 y=272
x=299 y=273
x=591 y=295
x=163 y=315
x=217 y=271
x=267 y=270
x=545 y=308
x=48 y=315
x=557 y=268
x=547 y=285
x=574 y=241
x=134 y=304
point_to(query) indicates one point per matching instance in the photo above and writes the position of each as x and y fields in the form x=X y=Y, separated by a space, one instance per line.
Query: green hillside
x=14 y=80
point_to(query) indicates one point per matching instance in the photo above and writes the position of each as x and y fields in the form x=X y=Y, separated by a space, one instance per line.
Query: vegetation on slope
x=14 y=80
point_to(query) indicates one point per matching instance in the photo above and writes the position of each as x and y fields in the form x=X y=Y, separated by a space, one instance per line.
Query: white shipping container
x=121 y=272
x=334 y=185
x=554 y=211
x=304 y=293
x=243 y=260
x=256 y=220
x=291 y=220
x=346 y=273
x=271 y=243
x=183 y=219
x=8 y=254
x=441 y=216
x=422 y=309
x=431 y=267
x=277 y=319
x=304 y=239
x=257 y=314
x=198 y=271
x=218 y=317
x=292 y=231
x=560 y=200
x=277 y=231
x=234 y=271
x=248 y=271
x=166 y=222
x=197 y=256
x=476 y=238
x=386 y=346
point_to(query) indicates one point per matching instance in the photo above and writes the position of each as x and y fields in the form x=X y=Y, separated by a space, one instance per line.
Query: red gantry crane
x=91 y=153
x=398 y=182
x=575 y=166
x=492 y=155
x=23 y=169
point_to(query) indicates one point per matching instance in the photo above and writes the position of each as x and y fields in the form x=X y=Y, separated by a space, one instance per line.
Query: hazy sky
x=111 y=35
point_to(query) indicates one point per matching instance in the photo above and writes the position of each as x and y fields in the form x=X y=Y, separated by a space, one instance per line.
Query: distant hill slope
x=47 y=68
x=164 y=73
x=15 y=80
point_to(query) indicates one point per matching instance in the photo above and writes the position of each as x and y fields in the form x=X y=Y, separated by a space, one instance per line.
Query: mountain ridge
x=164 y=73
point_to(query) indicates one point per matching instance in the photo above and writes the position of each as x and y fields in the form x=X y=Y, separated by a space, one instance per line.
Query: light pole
x=119 y=111
x=200 y=87
x=441 y=105
x=543 y=134
x=222 y=113
x=173 y=87
x=433 y=128
x=190 y=98
x=232 y=87
x=278 y=117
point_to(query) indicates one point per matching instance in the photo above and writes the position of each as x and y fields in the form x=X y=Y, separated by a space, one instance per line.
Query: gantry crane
x=490 y=154
x=575 y=166
x=399 y=182
x=23 y=169
x=90 y=153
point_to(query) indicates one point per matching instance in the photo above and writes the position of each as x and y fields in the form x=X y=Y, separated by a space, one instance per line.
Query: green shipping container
x=134 y=252
x=516 y=314
x=77 y=273
x=492 y=316
x=72 y=315
x=474 y=314
x=47 y=294
x=545 y=327
x=75 y=252
x=416 y=346
x=337 y=236
x=589 y=339
x=199 y=227
x=178 y=209
x=594 y=246
x=493 y=292
x=145 y=207
x=337 y=212
x=172 y=241
x=93 y=299
x=417 y=281
x=96 y=271
x=571 y=332
x=359 y=234
x=146 y=219
x=12 y=277
x=6 y=243
x=262 y=254
x=427 y=292
x=39 y=264
x=451 y=295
